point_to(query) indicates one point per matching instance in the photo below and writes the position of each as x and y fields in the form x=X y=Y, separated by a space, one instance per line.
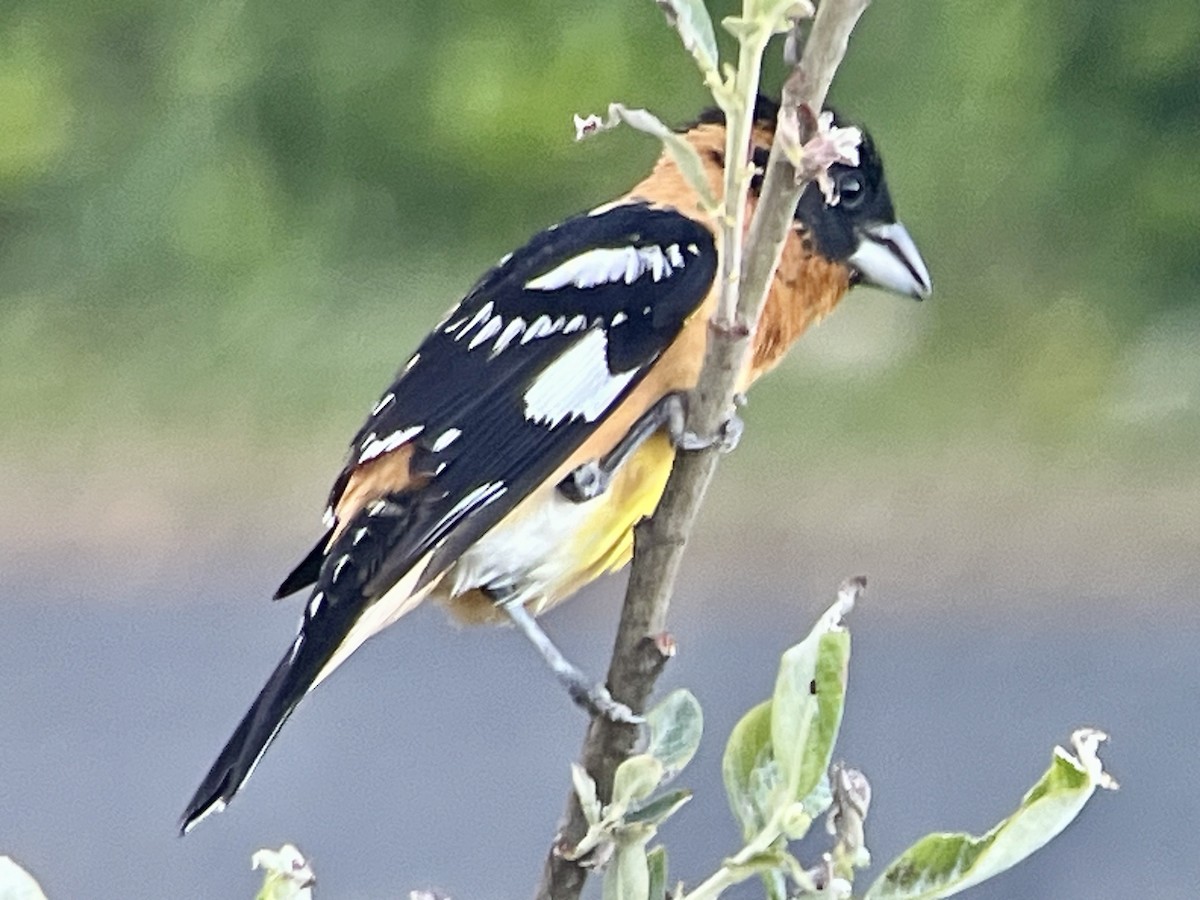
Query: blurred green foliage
x=235 y=217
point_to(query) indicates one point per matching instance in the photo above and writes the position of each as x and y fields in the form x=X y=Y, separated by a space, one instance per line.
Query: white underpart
x=445 y=439
x=577 y=384
x=524 y=554
x=609 y=265
x=374 y=445
x=398 y=601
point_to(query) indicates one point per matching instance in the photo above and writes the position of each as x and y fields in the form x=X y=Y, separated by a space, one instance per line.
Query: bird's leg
x=592 y=479
x=592 y=696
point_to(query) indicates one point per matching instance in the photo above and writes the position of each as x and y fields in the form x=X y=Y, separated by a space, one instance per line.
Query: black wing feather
x=475 y=435
x=479 y=393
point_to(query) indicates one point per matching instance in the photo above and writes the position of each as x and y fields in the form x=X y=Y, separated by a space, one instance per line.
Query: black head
x=861 y=228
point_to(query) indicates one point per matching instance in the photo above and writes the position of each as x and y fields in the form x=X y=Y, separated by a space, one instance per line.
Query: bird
x=511 y=457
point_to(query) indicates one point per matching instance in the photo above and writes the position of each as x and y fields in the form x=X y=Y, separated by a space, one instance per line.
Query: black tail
x=331 y=631
x=308 y=571
x=254 y=734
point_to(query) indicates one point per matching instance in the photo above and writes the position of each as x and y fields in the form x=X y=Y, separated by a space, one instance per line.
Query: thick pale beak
x=887 y=258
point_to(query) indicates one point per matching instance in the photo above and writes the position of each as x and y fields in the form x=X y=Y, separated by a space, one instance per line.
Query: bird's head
x=861 y=229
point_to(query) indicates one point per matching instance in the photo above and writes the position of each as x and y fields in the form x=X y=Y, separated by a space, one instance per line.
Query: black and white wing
x=504 y=390
x=525 y=368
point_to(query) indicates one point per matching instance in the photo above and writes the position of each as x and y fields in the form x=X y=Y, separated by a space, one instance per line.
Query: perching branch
x=641 y=648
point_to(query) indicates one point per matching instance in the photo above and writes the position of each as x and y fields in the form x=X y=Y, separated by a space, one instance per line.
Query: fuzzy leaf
x=585 y=790
x=656 y=861
x=658 y=810
x=806 y=710
x=288 y=875
x=690 y=18
x=683 y=153
x=940 y=865
x=628 y=875
x=779 y=13
x=745 y=767
x=635 y=779
x=676 y=725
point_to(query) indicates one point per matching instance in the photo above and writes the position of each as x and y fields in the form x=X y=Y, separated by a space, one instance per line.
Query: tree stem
x=640 y=650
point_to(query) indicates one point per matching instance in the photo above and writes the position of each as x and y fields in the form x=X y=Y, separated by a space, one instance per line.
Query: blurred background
x=224 y=224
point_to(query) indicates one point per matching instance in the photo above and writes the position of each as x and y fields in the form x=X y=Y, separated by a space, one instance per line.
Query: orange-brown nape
x=806 y=285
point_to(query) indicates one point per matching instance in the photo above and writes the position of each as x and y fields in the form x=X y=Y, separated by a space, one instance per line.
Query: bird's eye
x=851 y=190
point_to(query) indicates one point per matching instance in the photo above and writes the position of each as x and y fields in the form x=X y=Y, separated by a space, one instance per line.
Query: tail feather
x=358 y=593
x=250 y=740
x=307 y=571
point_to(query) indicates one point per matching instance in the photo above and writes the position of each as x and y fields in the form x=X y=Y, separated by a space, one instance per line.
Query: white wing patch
x=480 y=318
x=609 y=265
x=578 y=383
x=511 y=332
x=445 y=439
x=373 y=445
x=493 y=329
x=490 y=329
x=379 y=407
x=543 y=326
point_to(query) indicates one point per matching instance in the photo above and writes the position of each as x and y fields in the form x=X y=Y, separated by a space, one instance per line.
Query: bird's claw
x=586 y=482
x=596 y=699
x=726 y=439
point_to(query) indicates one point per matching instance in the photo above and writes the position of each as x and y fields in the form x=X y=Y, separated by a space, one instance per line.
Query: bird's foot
x=596 y=699
x=587 y=482
x=726 y=438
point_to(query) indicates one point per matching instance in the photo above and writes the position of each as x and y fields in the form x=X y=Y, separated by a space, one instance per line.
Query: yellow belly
x=549 y=547
x=605 y=543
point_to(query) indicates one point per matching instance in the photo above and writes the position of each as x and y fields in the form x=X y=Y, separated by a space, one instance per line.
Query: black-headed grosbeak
x=509 y=461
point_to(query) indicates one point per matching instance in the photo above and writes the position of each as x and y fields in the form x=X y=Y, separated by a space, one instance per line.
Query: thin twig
x=640 y=650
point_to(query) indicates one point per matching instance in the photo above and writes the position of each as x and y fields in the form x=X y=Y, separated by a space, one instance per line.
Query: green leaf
x=585 y=790
x=690 y=18
x=819 y=798
x=810 y=692
x=676 y=725
x=778 y=13
x=683 y=153
x=16 y=883
x=628 y=875
x=659 y=809
x=746 y=768
x=940 y=865
x=635 y=779
x=656 y=862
